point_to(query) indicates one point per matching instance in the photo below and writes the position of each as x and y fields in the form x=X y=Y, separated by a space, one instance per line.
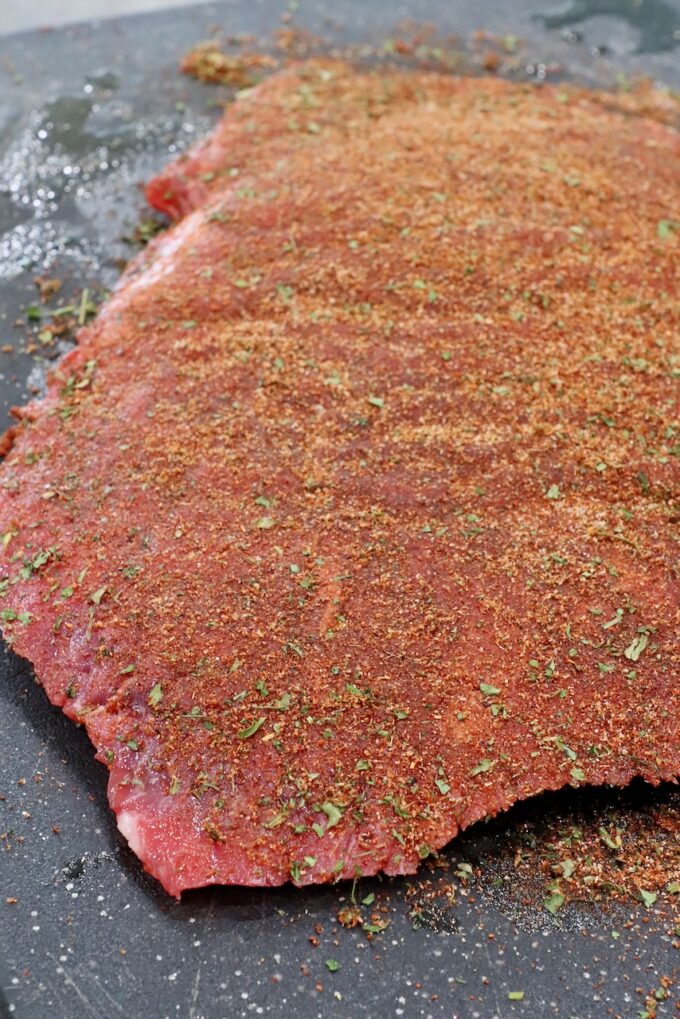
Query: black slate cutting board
x=86 y=113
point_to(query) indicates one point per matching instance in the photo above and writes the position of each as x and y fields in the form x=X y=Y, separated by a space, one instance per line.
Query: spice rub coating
x=350 y=520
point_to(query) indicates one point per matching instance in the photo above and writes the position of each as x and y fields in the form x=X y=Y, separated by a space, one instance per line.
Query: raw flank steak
x=350 y=520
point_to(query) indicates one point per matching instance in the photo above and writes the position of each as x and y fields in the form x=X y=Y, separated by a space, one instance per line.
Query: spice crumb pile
x=350 y=520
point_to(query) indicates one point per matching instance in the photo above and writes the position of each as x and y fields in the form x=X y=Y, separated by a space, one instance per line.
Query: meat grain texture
x=350 y=520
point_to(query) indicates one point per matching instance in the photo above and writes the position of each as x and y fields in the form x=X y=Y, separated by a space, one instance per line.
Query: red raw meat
x=350 y=520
